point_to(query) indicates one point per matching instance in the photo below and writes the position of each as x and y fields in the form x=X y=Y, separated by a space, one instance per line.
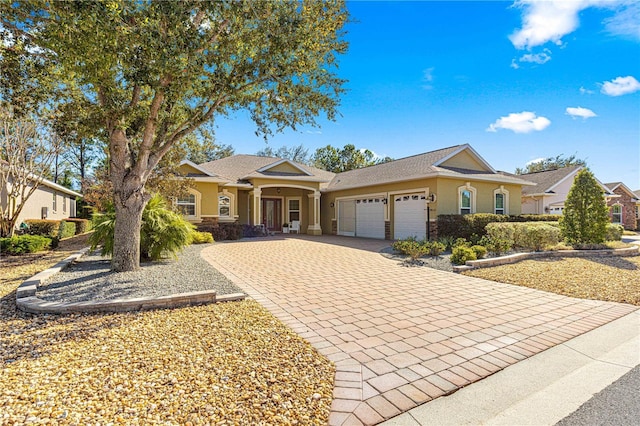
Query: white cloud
x=580 y=112
x=550 y=20
x=514 y=64
x=535 y=160
x=626 y=22
x=545 y=21
x=620 y=86
x=584 y=91
x=427 y=78
x=520 y=122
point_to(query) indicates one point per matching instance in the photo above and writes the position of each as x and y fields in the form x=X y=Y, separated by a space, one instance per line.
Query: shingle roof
x=237 y=168
x=546 y=180
x=414 y=167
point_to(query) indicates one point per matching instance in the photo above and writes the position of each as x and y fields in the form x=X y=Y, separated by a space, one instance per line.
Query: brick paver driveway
x=399 y=336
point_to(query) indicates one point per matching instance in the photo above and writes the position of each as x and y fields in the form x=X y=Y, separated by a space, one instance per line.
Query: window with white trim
x=187 y=204
x=616 y=213
x=294 y=209
x=224 y=206
x=64 y=204
x=466 y=199
x=501 y=201
x=54 y=205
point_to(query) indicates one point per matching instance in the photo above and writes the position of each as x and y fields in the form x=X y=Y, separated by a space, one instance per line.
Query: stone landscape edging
x=517 y=257
x=27 y=301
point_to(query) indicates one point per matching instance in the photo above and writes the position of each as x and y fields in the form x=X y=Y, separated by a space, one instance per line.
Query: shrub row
x=533 y=236
x=58 y=228
x=416 y=249
x=24 y=244
x=222 y=231
x=472 y=226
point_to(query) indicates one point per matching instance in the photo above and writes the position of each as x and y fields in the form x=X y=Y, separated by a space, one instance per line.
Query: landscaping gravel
x=90 y=278
x=442 y=262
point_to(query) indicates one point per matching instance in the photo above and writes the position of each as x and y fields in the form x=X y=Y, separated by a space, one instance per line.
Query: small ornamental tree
x=585 y=215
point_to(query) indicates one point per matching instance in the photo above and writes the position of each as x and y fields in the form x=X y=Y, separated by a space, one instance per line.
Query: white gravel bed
x=442 y=262
x=91 y=279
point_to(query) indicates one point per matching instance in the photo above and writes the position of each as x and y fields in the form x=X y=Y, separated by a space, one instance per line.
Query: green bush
x=44 y=227
x=447 y=241
x=586 y=215
x=614 y=232
x=480 y=251
x=24 y=244
x=535 y=236
x=82 y=225
x=435 y=248
x=461 y=254
x=465 y=226
x=198 y=237
x=225 y=231
x=163 y=232
x=67 y=229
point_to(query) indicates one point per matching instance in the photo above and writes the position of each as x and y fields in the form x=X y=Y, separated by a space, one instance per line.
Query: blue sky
x=517 y=81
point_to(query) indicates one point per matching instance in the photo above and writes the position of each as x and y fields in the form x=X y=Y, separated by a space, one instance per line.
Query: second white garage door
x=370 y=218
x=410 y=217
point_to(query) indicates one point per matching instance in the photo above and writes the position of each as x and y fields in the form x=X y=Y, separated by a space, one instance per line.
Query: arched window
x=616 y=214
x=187 y=204
x=501 y=201
x=224 y=205
x=467 y=199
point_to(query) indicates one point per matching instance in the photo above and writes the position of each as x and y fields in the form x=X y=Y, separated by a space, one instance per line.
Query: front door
x=272 y=213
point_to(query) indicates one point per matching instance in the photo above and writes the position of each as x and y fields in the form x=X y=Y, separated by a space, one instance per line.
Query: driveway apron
x=399 y=336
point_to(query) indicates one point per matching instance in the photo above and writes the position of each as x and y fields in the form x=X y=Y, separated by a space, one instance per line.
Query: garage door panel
x=370 y=218
x=347 y=217
x=410 y=217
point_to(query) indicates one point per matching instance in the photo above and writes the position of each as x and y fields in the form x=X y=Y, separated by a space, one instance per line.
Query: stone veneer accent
x=387 y=230
x=628 y=208
x=334 y=227
x=27 y=301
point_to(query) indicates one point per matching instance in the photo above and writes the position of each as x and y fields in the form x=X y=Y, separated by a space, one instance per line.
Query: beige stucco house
x=551 y=190
x=48 y=201
x=387 y=201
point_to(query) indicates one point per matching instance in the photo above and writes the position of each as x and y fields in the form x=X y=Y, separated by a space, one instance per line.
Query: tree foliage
x=585 y=216
x=27 y=150
x=338 y=160
x=551 y=163
x=153 y=72
x=297 y=153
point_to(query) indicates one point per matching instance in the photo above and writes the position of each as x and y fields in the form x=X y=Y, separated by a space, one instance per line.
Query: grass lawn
x=227 y=363
x=609 y=278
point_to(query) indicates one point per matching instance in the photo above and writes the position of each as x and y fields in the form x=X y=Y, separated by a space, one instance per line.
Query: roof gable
x=620 y=185
x=465 y=158
x=192 y=169
x=284 y=166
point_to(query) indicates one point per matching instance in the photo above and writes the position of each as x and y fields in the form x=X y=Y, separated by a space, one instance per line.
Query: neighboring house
x=637 y=195
x=551 y=190
x=48 y=201
x=623 y=209
x=386 y=201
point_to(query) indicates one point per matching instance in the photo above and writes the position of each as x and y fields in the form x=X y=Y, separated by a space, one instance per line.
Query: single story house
x=551 y=190
x=393 y=200
x=624 y=208
x=48 y=201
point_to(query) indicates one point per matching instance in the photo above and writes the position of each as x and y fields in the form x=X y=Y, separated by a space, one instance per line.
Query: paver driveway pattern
x=399 y=336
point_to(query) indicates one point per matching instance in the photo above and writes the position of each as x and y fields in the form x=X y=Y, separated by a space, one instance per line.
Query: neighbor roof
x=546 y=181
x=615 y=185
x=239 y=168
x=428 y=164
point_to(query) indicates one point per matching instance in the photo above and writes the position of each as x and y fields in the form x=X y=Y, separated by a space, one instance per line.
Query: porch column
x=257 y=206
x=314 y=214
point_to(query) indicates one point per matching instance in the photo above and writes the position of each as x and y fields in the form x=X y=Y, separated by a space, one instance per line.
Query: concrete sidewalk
x=543 y=389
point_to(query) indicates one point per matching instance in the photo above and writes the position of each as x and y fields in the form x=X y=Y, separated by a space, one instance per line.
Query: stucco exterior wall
x=65 y=204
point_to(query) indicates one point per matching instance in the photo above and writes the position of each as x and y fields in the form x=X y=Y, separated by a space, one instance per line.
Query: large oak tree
x=152 y=72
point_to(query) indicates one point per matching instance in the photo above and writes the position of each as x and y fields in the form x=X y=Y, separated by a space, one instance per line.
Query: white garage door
x=370 y=218
x=410 y=217
x=347 y=217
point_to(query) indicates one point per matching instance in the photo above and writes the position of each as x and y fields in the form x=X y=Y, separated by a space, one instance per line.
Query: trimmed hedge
x=222 y=231
x=45 y=227
x=24 y=244
x=535 y=218
x=67 y=229
x=472 y=226
x=524 y=235
x=82 y=225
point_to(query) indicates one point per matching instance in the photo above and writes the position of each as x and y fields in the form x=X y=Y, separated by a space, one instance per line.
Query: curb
x=27 y=301
x=517 y=257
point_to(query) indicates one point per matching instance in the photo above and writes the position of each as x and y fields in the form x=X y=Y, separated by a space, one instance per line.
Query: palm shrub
x=163 y=232
x=585 y=217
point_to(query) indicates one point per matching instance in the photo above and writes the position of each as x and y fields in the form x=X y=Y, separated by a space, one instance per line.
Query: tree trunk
x=129 y=199
x=126 y=237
